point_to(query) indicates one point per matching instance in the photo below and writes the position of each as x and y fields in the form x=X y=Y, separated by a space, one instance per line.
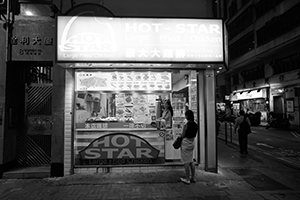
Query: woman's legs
x=187 y=170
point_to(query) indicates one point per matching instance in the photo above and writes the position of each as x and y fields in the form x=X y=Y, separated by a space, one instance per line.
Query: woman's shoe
x=185 y=181
x=193 y=180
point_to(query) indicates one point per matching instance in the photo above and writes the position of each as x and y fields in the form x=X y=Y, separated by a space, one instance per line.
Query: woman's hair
x=189 y=115
x=170 y=107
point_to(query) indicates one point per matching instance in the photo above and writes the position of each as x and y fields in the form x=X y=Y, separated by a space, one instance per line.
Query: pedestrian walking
x=189 y=133
x=242 y=124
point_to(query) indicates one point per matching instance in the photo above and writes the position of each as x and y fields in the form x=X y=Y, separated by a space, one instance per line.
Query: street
x=256 y=176
x=282 y=145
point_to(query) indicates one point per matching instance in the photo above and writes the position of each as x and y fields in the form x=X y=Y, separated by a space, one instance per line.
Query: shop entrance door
x=278 y=106
x=39 y=125
x=34 y=148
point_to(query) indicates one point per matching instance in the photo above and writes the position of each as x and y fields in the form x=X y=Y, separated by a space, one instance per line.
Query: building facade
x=264 y=58
x=42 y=101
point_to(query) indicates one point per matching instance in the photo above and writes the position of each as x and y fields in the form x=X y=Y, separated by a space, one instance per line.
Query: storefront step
x=128 y=168
x=28 y=172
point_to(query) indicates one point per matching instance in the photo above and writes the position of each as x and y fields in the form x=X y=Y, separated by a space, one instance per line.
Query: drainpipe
x=8 y=30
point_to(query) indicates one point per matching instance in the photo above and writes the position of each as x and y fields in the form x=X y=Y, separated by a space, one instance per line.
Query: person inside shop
x=242 y=135
x=189 y=132
x=167 y=113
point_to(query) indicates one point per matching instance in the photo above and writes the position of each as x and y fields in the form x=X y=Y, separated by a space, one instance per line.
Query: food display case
x=121 y=103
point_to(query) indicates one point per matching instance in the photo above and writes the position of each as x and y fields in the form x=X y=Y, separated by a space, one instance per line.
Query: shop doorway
x=34 y=146
x=278 y=106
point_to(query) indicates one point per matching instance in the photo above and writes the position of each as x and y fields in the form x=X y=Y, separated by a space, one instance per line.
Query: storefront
x=120 y=71
x=252 y=101
x=285 y=100
x=117 y=117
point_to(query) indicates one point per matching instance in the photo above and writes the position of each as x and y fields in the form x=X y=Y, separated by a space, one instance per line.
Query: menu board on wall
x=123 y=81
x=135 y=107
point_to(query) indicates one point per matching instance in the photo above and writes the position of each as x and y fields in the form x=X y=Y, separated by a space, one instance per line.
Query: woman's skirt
x=187 y=149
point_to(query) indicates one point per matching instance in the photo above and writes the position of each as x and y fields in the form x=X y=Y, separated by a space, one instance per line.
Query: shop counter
x=120 y=129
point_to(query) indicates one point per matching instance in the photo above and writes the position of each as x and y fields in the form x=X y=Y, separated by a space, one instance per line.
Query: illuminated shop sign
x=84 y=39
x=119 y=148
x=123 y=81
x=251 y=95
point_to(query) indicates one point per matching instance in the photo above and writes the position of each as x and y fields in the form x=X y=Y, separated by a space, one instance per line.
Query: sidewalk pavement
x=251 y=177
x=291 y=128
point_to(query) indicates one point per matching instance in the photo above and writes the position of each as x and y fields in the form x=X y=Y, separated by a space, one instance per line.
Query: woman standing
x=189 y=133
x=167 y=114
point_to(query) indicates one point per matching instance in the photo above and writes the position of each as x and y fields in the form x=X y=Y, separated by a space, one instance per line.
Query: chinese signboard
x=123 y=81
x=289 y=105
x=250 y=95
x=84 y=39
x=33 y=40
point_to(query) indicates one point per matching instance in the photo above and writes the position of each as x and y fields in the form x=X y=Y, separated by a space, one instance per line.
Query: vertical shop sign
x=290 y=105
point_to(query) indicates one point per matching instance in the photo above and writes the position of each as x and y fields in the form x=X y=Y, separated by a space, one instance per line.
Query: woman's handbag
x=177 y=142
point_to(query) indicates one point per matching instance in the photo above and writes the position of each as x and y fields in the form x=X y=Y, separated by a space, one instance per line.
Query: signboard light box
x=103 y=39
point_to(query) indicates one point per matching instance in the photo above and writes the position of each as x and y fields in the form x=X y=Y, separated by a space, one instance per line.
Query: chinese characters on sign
x=26 y=41
x=32 y=41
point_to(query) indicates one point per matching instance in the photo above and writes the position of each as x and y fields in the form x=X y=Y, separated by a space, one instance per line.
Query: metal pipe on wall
x=8 y=29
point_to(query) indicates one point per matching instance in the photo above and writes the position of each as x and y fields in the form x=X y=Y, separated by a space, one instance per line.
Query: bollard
x=225 y=132
x=230 y=132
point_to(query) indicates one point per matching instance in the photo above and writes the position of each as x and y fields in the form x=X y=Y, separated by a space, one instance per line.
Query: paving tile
x=230 y=183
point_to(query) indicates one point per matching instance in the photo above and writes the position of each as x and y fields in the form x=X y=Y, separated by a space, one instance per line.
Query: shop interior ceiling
x=219 y=68
x=183 y=68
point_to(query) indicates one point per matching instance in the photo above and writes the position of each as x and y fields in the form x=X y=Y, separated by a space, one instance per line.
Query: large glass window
x=120 y=99
x=116 y=110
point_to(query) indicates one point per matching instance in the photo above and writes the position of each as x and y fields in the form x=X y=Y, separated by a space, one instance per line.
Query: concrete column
x=210 y=122
x=2 y=94
x=58 y=107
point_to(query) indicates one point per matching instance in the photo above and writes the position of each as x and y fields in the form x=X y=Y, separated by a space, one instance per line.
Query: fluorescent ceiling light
x=29 y=13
